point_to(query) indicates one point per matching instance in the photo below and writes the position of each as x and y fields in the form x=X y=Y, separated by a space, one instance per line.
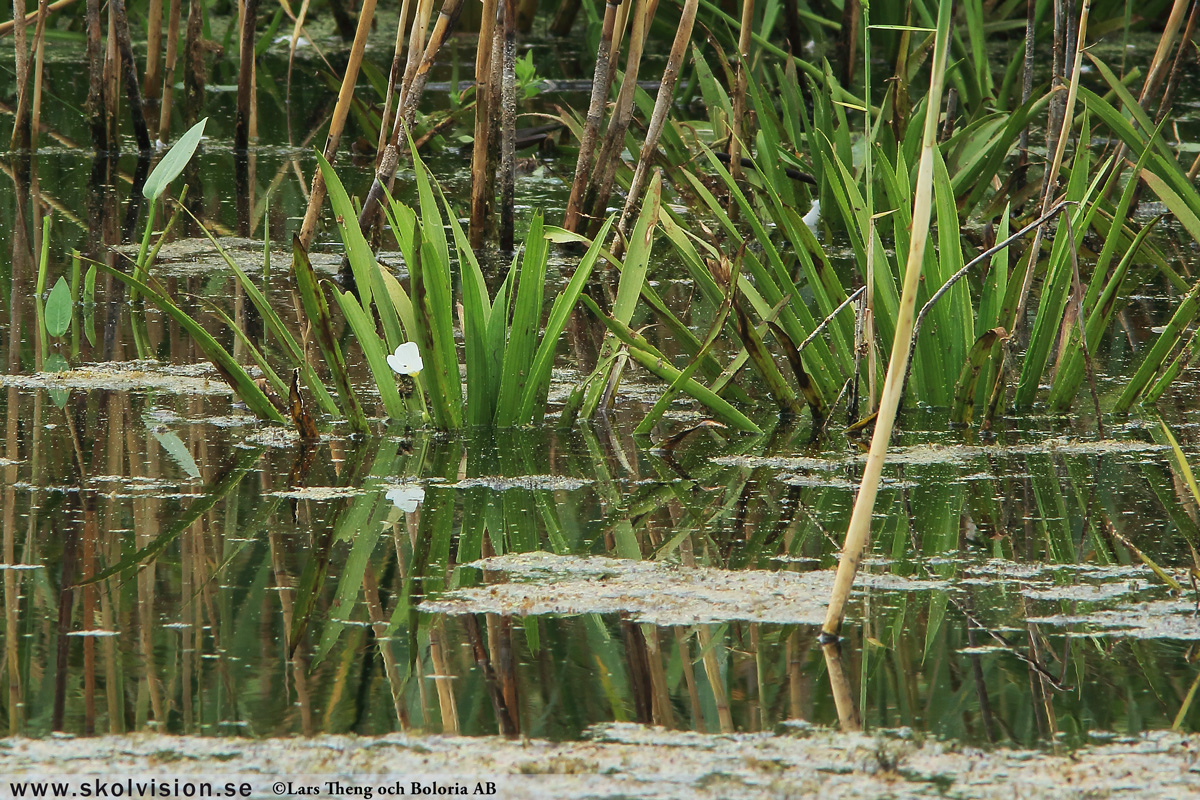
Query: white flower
x=406 y=496
x=406 y=360
x=814 y=214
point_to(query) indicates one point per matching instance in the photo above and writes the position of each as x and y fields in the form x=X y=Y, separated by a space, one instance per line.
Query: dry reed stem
x=7 y=27
x=508 y=126
x=133 y=90
x=153 y=74
x=393 y=80
x=337 y=124
x=893 y=385
x=662 y=107
x=414 y=88
x=416 y=40
x=39 y=46
x=481 y=168
x=241 y=131
x=1052 y=180
x=614 y=137
x=168 y=78
x=595 y=116
x=20 y=131
x=385 y=175
x=736 y=133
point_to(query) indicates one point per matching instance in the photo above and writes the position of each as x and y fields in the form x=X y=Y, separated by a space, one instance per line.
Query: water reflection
x=246 y=601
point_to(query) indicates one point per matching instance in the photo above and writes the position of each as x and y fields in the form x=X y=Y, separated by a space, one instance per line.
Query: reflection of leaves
x=175 y=448
x=223 y=484
x=55 y=362
x=58 y=309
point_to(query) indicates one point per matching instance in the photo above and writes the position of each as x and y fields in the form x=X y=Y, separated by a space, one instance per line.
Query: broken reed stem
x=595 y=116
x=20 y=131
x=482 y=174
x=7 y=27
x=662 y=107
x=168 y=77
x=241 y=130
x=614 y=45
x=614 y=137
x=447 y=18
x=337 y=124
x=893 y=385
x=153 y=75
x=129 y=70
x=508 y=126
x=297 y=27
x=739 y=94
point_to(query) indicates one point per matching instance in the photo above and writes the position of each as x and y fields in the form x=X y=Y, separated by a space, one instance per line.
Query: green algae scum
x=652 y=398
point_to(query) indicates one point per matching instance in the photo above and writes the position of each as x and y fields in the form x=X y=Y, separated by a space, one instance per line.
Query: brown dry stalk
x=1052 y=180
x=7 y=27
x=662 y=106
x=241 y=130
x=595 y=116
x=20 y=131
x=614 y=137
x=739 y=92
x=39 y=45
x=168 y=79
x=393 y=80
x=337 y=124
x=410 y=96
x=416 y=38
x=481 y=168
x=893 y=385
x=508 y=126
x=154 y=24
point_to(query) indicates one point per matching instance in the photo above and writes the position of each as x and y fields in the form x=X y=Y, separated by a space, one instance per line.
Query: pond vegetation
x=405 y=432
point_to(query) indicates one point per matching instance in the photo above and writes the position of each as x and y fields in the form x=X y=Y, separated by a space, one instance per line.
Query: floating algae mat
x=653 y=592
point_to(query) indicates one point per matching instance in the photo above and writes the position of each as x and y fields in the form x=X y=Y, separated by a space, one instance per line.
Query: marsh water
x=535 y=581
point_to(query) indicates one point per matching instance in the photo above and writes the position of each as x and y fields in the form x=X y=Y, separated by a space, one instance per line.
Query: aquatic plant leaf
x=967 y=384
x=173 y=162
x=312 y=297
x=358 y=251
x=524 y=328
x=174 y=447
x=656 y=363
x=228 y=367
x=58 y=308
x=374 y=350
x=537 y=387
x=89 y=305
x=275 y=324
